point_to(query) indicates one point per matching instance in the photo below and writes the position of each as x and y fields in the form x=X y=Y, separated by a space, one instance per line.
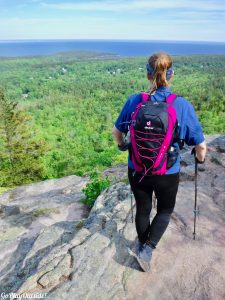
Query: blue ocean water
x=121 y=48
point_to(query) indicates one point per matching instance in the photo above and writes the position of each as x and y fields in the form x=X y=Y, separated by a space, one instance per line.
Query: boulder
x=35 y=220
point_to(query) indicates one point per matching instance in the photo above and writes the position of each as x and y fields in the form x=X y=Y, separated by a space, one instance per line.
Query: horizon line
x=112 y=40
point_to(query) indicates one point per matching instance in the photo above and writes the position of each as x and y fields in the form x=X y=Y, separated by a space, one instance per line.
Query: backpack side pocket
x=172 y=156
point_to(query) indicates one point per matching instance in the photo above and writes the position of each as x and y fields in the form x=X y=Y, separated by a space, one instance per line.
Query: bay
x=126 y=48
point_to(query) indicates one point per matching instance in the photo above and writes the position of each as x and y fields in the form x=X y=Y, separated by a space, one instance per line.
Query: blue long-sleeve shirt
x=189 y=127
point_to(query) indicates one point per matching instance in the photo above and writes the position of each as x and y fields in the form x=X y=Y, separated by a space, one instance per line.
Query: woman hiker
x=165 y=186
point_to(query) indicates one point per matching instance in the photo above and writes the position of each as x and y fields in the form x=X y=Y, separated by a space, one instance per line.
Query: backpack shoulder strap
x=171 y=98
x=144 y=97
x=177 y=138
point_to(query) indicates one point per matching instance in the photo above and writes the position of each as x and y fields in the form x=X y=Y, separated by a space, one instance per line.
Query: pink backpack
x=153 y=129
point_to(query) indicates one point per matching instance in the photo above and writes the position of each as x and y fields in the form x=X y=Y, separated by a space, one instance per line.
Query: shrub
x=94 y=188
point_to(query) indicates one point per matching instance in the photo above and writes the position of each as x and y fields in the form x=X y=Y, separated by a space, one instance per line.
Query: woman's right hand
x=200 y=152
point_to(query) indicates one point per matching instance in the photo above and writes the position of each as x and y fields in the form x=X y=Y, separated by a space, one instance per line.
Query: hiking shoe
x=138 y=247
x=144 y=257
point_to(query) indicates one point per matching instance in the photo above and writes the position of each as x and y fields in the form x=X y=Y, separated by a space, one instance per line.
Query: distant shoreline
x=109 y=40
x=127 y=48
x=91 y=55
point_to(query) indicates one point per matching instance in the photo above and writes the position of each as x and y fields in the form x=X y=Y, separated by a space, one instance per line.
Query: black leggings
x=165 y=188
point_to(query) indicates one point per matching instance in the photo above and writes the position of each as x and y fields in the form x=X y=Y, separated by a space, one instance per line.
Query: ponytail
x=159 y=68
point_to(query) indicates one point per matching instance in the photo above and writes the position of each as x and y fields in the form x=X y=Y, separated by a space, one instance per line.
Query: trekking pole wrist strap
x=123 y=147
x=199 y=161
x=193 y=151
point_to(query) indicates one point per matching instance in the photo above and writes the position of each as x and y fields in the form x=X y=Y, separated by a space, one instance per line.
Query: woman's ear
x=171 y=75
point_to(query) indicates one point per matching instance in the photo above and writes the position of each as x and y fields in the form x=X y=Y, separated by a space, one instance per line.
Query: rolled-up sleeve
x=122 y=121
x=192 y=130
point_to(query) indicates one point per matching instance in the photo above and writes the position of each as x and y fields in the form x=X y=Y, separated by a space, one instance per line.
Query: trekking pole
x=196 y=210
x=131 y=202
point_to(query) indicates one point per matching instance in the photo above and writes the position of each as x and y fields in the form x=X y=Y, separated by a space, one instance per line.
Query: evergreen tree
x=20 y=153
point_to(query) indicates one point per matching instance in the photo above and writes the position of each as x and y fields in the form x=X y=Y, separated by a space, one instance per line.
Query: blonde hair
x=159 y=62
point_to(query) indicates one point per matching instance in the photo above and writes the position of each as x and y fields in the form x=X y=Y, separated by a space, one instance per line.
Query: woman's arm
x=191 y=130
x=118 y=136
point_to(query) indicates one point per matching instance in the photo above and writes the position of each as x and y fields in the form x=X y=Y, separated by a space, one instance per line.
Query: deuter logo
x=149 y=123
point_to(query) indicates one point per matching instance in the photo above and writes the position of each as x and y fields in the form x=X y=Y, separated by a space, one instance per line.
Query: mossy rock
x=44 y=211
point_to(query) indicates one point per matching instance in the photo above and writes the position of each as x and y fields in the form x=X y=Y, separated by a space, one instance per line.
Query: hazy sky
x=195 y=20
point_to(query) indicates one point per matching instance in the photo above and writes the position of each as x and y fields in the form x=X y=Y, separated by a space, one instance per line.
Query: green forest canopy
x=75 y=98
